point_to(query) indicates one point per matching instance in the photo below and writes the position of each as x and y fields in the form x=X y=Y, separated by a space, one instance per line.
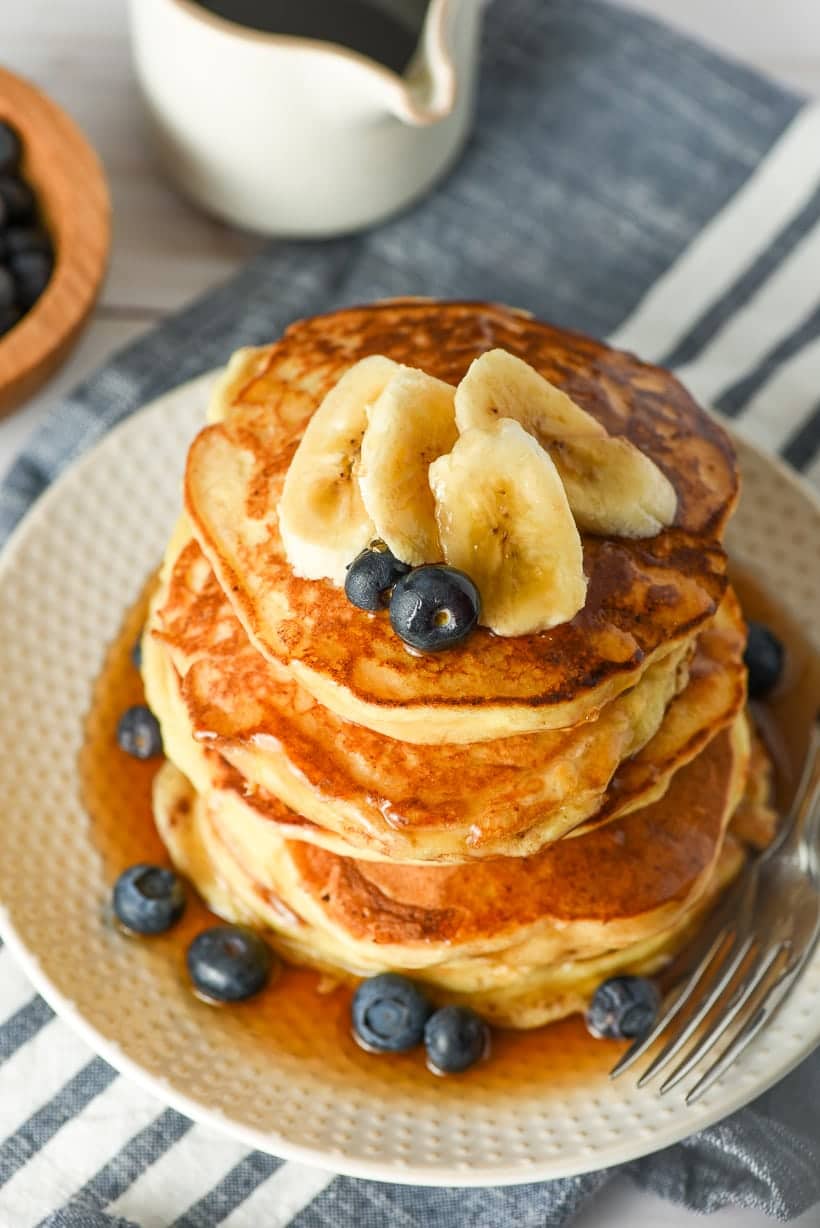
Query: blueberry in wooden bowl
x=54 y=236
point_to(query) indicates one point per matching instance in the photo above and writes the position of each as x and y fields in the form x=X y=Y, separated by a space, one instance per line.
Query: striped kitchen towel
x=621 y=180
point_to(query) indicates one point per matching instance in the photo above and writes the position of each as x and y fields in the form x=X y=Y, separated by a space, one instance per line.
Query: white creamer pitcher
x=297 y=137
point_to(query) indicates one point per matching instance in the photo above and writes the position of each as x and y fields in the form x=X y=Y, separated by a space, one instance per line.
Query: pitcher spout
x=427 y=92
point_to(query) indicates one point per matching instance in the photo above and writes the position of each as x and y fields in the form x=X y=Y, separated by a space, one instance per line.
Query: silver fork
x=749 y=955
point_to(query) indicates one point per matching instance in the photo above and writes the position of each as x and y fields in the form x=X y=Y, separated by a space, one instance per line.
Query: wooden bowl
x=73 y=196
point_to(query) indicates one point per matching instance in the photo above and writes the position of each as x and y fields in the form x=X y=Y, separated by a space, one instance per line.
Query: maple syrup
x=297 y=1014
x=383 y=31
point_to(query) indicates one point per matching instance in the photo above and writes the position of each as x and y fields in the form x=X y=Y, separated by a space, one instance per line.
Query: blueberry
x=623 y=1008
x=434 y=607
x=11 y=149
x=455 y=1038
x=8 y=318
x=19 y=200
x=7 y=290
x=370 y=577
x=229 y=963
x=19 y=239
x=389 y=1013
x=148 y=899
x=764 y=658
x=31 y=271
x=138 y=733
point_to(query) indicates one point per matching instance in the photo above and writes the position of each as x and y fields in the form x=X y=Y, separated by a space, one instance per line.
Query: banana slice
x=613 y=488
x=499 y=385
x=503 y=518
x=411 y=423
x=322 y=519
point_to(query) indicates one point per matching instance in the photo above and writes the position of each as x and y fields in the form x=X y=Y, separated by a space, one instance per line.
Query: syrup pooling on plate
x=316 y=1025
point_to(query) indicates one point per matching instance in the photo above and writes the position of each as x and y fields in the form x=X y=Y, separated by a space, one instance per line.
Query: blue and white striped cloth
x=621 y=180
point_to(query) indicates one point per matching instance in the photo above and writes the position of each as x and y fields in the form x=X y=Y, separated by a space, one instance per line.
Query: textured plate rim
x=280 y=1145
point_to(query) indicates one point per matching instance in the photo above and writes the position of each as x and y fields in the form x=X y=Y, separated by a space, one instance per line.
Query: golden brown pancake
x=489 y=932
x=431 y=803
x=714 y=695
x=620 y=874
x=755 y=820
x=645 y=598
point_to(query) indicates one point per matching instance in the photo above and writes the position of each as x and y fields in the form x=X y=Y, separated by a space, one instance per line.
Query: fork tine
x=677 y=1042
x=755 y=977
x=668 y=1013
x=776 y=993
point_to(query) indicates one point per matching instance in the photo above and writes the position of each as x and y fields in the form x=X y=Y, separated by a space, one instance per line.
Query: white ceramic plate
x=66 y=578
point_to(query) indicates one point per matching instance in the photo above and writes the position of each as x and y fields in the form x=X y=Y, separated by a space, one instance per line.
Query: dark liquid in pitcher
x=366 y=26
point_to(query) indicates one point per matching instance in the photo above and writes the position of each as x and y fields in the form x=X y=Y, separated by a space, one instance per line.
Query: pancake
x=395 y=799
x=714 y=695
x=645 y=600
x=755 y=820
x=360 y=825
x=556 y=991
x=209 y=772
x=531 y=931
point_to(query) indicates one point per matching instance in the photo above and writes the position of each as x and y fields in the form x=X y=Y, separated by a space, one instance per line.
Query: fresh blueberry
x=229 y=963
x=8 y=318
x=389 y=1013
x=764 y=658
x=455 y=1038
x=11 y=149
x=19 y=199
x=434 y=607
x=148 y=899
x=138 y=733
x=624 y=1007
x=32 y=272
x=19 y=239
x=7 y=290
x=370 y=577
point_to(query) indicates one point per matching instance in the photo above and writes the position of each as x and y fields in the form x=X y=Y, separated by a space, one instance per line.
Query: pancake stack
x=512 y=820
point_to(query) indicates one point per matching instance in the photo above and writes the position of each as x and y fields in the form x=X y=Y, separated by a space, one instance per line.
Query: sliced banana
x=322 y=519
x=411 y=423
x=613 y=488
x=503 y=518
x=499 y=385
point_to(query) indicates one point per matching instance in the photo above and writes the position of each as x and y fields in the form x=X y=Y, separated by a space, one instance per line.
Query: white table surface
x=164 y=254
